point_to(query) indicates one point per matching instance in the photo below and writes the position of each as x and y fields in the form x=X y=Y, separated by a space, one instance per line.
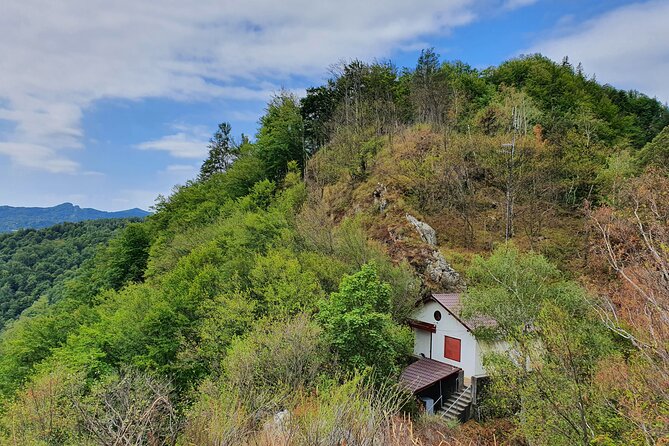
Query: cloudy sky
x=107 y=104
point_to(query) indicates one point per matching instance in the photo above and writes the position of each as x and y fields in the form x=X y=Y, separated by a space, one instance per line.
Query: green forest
x=35 y=263
x=266 y=301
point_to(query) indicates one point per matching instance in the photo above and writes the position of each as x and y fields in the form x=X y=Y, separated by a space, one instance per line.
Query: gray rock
x=282 y=417
x=440 y=271
x=437 y=268
x=380 y=200
x=279 y=425
x=427 y=233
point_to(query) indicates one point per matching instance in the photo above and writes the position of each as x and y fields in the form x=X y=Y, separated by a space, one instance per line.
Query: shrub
x=275 y=355
x=358 y=325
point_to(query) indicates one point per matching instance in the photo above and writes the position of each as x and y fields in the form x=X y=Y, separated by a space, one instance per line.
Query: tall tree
x=633 y=244
x=358 y=325
x=280 y=138
x=222 y=152
x=429 y=91
x=545 y=376
x=656 y=152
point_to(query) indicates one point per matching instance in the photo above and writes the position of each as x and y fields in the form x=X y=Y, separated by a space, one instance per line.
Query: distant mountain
x=14 y=218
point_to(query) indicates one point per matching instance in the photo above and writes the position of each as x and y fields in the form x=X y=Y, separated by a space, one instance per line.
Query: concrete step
x=455 y=405
x=460 y=403
x=463 y=400
x=451 y=414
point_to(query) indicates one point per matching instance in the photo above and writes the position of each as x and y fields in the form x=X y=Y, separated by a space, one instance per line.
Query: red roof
x=452 y=303
x=425 y=372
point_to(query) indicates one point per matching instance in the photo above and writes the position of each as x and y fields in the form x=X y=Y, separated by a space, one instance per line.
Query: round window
x=437 y=315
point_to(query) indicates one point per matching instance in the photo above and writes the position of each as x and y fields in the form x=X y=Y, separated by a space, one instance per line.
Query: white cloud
x=627 y=47
x=59 y=57
x=180 y=168
x=185 y=143
x=92 y=173
x=515 y=4
x=38 y=157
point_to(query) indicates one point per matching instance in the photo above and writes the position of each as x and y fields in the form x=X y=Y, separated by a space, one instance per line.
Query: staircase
x=457 y=404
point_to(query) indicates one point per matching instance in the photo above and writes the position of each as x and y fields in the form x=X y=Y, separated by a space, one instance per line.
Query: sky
x=108 y=104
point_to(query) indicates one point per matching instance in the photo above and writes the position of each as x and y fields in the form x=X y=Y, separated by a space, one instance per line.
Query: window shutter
x=452 y=348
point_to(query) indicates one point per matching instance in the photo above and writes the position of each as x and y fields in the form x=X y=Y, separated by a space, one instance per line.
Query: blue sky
x=108 y=104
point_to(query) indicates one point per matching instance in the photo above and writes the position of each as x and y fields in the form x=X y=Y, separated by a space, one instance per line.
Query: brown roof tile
x=424 y=373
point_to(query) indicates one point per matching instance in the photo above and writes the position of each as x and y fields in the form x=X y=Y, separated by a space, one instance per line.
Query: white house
x=449 y=355
x=443 y=335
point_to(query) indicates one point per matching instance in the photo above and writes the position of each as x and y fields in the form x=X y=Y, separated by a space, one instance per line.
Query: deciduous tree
x=358 y=325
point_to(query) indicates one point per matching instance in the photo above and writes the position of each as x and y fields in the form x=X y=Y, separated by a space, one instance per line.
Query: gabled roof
x=451 y=302
x=425 y=372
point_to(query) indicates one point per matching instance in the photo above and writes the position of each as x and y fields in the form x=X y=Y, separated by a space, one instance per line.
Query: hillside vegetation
x=265 y=301
x=34 y=263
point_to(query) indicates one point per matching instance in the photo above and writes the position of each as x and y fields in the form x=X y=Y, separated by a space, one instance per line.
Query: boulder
x=278 y=427
x=439 y=271
x=426 y=232
x=380 y=201
x=434 y=266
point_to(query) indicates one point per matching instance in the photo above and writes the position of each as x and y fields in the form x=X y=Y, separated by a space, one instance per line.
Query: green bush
x=359 y=328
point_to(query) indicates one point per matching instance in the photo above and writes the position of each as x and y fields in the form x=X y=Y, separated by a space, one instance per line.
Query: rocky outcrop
x=380 y=200
x=426 y=232
x=435 y=267
x=439 y=271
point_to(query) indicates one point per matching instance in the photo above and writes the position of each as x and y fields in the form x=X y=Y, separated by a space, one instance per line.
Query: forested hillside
x=33 y=262
x=15 y=218
x=266 y=301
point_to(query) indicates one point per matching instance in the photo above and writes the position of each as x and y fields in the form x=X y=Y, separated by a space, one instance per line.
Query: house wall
x=488 y=347
x=449 y=326
x=422 y=341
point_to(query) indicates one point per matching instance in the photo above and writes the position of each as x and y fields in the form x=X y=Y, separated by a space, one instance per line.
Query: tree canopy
x=35 y=263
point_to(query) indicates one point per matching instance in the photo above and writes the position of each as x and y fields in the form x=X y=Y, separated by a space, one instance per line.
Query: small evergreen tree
x=222 y=152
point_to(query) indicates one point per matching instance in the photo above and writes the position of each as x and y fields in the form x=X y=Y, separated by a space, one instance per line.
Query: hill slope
x=15 y=218
x=33 y=261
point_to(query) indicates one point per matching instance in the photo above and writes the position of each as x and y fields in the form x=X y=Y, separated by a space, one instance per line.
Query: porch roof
x=422 y=325
x=425 y=372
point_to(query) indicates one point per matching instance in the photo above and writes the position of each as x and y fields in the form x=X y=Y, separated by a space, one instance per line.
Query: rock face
x=437 y=268
x=380 y=200
x=440 y=271
x=426 y=232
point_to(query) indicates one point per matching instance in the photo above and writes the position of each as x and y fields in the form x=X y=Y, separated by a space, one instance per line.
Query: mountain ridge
x=14 y=218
